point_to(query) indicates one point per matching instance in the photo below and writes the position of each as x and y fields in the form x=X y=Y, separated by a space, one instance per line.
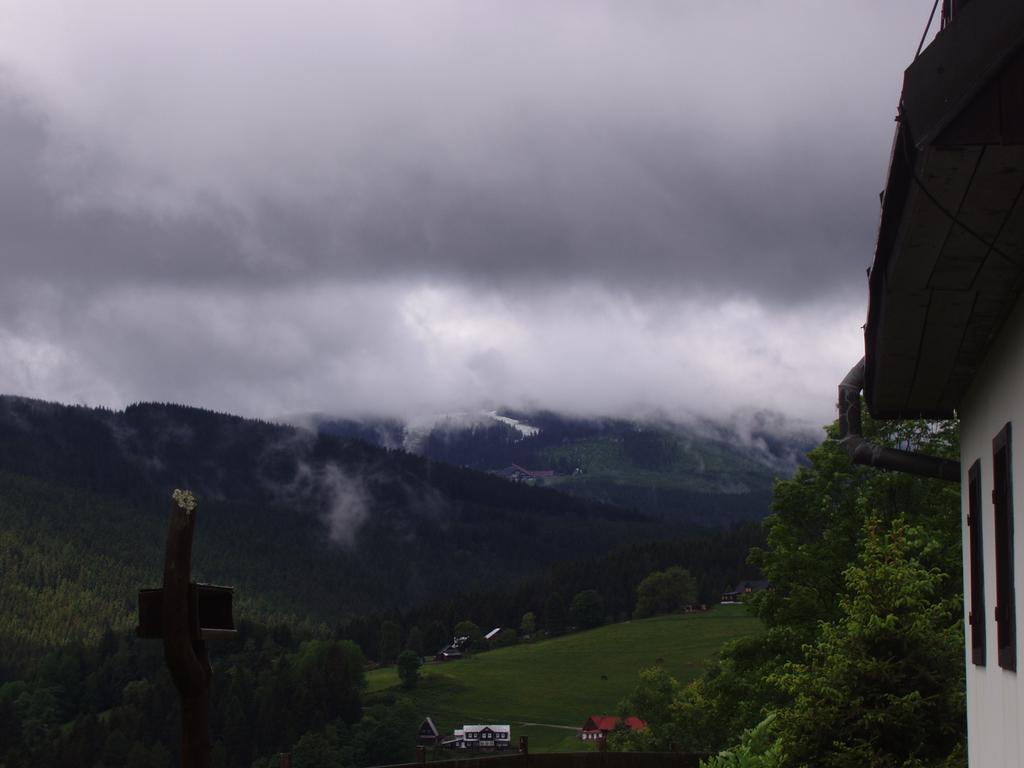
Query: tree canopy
x=665 y=591
x=861 y=663
x=587 y=609
x=409 y=664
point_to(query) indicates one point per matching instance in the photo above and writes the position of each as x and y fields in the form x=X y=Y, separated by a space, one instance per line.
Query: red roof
x=608 y=723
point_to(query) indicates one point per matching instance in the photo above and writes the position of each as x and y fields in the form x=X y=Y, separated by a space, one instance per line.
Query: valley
x=561 y=681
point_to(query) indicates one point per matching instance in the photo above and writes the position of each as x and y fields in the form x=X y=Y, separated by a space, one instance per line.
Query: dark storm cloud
x=632 y=213
x=747 y=226
x=318 y=203
x=46 y=238
x=499 y=149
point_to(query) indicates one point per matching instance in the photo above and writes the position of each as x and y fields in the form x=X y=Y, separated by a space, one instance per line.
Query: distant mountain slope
x=304 y=525
x=701 y=473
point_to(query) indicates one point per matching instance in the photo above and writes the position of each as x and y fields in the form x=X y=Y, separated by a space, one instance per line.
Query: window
x=976 y=617
x=1002 y=500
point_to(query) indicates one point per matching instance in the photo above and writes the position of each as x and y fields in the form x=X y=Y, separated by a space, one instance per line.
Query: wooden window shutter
x=976 y=552
x=1002 y=500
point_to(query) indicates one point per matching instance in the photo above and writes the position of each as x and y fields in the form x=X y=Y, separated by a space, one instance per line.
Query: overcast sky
x=406 y=207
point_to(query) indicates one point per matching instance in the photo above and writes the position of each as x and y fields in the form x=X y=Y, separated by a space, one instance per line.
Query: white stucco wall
x=995 y=697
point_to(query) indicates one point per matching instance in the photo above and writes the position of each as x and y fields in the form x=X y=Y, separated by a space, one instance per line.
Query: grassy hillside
x=557 y=683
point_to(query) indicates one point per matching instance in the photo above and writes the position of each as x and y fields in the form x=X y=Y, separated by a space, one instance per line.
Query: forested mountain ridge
x=701 y=472
x=309 y=527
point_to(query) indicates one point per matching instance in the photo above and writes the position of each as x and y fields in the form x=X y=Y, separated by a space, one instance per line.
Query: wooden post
x=184 y=650
x=524 y=745
x=421 y=755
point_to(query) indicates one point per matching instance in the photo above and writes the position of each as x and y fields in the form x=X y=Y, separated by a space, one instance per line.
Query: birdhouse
x=209 y=607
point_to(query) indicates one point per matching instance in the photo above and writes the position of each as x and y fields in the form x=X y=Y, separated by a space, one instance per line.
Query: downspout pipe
x=861 y=451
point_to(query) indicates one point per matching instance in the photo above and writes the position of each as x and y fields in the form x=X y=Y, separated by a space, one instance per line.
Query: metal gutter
x=862 y=451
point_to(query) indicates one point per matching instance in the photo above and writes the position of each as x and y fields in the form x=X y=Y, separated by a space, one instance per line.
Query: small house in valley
x=448 y=653
x=483 y=737
x=428 y=735
x=597 y=727
x=520 y=474
x=453 y=650
x=743 y=590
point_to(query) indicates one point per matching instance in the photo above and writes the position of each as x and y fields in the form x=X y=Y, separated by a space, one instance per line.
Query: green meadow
x=554 y=685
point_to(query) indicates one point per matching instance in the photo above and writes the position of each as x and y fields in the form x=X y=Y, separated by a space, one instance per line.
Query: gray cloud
x=295 y=206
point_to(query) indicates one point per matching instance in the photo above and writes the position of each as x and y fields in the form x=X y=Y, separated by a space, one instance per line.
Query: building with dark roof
x=744 y=589
x=945 y=327
x=428 y=735
x=520 y=474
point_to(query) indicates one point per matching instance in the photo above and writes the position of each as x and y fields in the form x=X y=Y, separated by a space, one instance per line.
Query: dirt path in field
x=552 y=725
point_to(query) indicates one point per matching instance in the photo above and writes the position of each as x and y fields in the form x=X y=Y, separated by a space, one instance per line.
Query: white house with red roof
x=598 y=727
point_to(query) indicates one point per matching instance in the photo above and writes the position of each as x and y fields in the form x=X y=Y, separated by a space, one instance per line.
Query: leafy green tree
x=816 y=530
x=884 y=683
x=822 y=545
x=651 y=700
x=665 y=591
x=733 y=692
x=409 y=664
x=528 y=626
x=414 y=642
x=383 y=736
x=758 y=748
x=318 y=749
x=587 y=609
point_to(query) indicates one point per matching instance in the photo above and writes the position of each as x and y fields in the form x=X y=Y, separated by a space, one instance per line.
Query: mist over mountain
x=704 y=472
